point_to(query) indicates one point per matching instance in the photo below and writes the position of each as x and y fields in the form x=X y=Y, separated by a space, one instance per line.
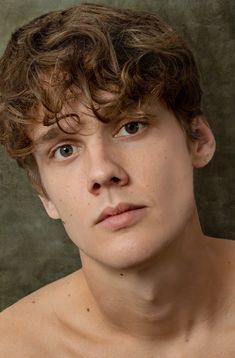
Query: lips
x=120 y=208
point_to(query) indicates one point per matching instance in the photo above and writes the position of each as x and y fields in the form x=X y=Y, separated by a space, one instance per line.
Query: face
x=146 y=163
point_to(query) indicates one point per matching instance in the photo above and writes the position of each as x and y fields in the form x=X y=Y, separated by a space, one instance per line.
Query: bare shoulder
x=31 y=325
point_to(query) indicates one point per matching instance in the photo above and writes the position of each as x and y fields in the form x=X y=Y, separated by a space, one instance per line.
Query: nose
x=105 y=169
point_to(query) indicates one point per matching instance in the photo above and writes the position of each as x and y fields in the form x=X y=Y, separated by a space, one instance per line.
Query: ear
x=49 y=207
x=203 y=148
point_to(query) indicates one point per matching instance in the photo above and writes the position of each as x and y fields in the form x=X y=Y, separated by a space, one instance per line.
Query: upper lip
x=120 y=208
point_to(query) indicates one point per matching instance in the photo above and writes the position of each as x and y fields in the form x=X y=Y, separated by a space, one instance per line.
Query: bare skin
x=63 y=320
x=159 y=288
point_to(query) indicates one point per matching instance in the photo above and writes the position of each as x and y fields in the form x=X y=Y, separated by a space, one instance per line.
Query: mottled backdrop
x=35 y=250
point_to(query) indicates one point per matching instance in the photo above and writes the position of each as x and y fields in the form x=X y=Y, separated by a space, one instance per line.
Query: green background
x=35 y=250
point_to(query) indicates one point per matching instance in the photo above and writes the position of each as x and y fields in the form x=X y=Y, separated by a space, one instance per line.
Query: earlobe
x=203 y=148
x=49 y=207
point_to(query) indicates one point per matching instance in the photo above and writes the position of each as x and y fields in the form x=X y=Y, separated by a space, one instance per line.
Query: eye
x=131 y=128
x=64 y=151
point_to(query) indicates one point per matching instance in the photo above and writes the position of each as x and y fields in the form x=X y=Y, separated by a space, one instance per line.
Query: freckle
x=186 y=340
x=121 y=274
x=33 y=302
x=88 y=309
x=69 y=295
x=71 y=215
x=229 y=262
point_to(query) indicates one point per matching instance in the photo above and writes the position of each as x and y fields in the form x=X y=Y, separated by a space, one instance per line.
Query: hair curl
x=88 y=48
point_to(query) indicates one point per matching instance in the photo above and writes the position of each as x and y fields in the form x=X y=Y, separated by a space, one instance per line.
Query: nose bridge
x=104 y=166
x=100 y=147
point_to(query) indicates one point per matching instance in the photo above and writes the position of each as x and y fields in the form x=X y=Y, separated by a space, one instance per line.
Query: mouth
x=121 y=217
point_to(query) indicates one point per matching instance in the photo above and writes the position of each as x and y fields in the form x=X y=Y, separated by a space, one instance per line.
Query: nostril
x=96 y=186
x=115 y=179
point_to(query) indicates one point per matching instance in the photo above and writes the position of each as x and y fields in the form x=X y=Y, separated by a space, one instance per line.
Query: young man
x=102 y=107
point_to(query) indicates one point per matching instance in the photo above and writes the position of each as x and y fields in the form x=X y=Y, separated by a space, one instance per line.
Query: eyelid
x=62 y=141
x=143 y=121
x=52 y=151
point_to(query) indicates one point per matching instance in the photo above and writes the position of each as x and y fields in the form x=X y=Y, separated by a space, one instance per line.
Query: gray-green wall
x=35 y=250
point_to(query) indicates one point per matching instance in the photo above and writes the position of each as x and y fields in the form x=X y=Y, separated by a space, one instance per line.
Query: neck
x=166 y=296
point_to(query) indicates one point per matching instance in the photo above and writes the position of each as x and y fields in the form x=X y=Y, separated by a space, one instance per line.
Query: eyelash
x=53 y=152
x=145 y=123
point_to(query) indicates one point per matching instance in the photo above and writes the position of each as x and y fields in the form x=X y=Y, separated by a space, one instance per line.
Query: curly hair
x=87 y=48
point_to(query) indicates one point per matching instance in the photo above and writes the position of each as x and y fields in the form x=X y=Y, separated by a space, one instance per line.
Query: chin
x=132 y=252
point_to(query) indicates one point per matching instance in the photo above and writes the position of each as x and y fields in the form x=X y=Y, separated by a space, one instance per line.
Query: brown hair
x=87 y=48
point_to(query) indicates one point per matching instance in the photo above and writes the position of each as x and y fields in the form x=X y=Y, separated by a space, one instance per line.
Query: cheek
x=177 y=194
x=70 y=202
x=64 y=192
x=168 y=175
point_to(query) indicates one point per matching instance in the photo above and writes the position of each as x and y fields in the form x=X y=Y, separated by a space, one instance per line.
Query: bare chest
x=220 y=346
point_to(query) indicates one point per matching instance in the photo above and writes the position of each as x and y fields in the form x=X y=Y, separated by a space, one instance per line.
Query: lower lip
x=120 y=221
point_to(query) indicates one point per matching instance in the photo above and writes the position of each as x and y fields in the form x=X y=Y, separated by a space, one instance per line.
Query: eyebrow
x=55 y=132
x=51 y=134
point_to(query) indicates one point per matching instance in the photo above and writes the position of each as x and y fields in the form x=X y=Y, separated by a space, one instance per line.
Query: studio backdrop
x=34 y=250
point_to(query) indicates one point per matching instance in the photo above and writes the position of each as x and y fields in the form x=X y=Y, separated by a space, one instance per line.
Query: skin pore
x=158 y=279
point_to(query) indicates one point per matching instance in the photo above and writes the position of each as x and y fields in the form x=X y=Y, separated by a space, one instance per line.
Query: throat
x=163 y=299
